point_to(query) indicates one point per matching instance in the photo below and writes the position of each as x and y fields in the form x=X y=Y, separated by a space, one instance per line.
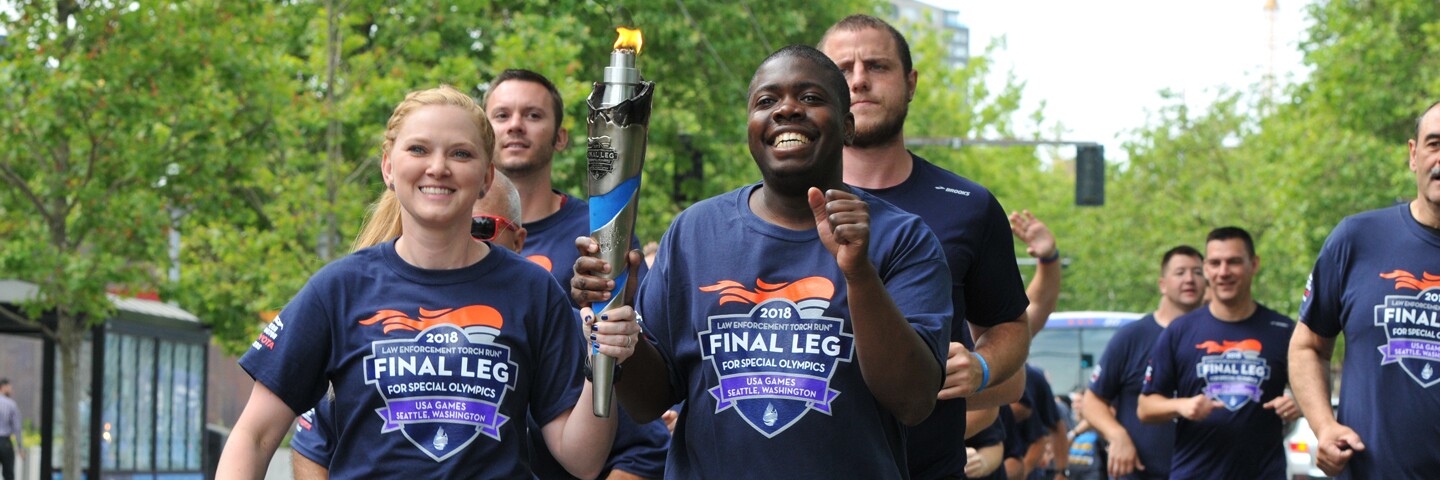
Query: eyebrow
x=802 y=85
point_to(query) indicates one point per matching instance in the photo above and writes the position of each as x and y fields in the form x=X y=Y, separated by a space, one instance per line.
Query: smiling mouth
x=436 y=190
x=789 y=140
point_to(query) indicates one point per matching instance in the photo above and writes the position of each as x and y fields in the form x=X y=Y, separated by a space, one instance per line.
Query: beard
x=884 y=131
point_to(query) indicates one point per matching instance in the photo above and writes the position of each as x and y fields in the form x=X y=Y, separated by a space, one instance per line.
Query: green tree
x=119 y=119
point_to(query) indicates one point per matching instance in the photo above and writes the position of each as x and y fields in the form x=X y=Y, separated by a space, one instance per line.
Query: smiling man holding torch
x=786 y=314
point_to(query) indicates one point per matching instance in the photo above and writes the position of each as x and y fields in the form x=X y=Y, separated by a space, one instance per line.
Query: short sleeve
x=556 y=370
x=1160 y=375
x=653 y=301
x=314 y=434
x=291 y=356
x=1320 y=304
x=994 y=293
x=1109 y=377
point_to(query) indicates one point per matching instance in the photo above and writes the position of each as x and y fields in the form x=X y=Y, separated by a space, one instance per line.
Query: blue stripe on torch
x=604 y=208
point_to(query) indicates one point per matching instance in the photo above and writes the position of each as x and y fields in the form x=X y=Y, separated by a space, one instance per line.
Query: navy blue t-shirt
x=991 y=435
x=1377 y=280
x=1118 y=379
x=1044 y=414
x=433 y=370
x=550 y=241
x=985 y=290
x=753 y=322
x=314 y=434
x=638 y=448
x=1243 y=365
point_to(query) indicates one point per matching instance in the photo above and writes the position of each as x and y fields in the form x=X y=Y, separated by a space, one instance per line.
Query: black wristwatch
x=590 y=373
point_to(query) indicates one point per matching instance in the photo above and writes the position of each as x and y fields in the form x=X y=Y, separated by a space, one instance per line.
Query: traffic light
x=1090 y=175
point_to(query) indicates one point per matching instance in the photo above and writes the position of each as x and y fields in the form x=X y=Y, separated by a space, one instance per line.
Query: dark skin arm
x=898 y=367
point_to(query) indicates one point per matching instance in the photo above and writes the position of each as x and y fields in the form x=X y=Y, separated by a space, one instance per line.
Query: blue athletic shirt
x=752 y=320
x=1043 y=411
x=1241 y=364
x=314 y=433
x=638 y=449
x=1377 y=280
x=985 y=287
x=991 y=435
x=1118 y=379
x=433 y=370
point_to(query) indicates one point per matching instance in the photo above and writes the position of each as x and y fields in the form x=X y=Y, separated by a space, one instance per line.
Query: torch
x=615 y=152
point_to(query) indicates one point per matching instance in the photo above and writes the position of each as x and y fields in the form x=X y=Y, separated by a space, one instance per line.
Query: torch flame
x=629 y=39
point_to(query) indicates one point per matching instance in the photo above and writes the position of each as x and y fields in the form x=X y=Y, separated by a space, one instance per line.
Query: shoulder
x=1135 y=330
x=708 y=208
x=1370 y=224
x=1273 y=318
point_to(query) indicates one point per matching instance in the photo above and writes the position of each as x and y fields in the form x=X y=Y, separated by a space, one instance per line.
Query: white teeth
x=790 y=139
x=435 y=190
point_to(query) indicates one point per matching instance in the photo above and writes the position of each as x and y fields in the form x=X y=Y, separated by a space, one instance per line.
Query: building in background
x=948 y=21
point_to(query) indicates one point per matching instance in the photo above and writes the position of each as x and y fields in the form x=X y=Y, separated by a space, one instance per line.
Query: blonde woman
x=436 y=346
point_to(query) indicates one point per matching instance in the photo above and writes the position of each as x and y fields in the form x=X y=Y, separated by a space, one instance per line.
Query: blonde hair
x=382 y=219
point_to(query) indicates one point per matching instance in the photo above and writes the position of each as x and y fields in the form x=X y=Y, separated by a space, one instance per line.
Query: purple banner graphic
x=1394 y=350
x=459 y=410
x=741 y=387
x=1216 y=390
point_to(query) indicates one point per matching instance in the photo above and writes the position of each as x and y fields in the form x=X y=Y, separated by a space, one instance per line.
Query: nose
x=438 y=164
x=786 y=110
x=858 y=79
x=512 y=125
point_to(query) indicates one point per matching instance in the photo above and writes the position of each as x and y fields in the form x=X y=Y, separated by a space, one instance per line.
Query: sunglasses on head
x=485 y=227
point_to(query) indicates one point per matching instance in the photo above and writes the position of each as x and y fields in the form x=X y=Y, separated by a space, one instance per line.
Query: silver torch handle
x=615 y=154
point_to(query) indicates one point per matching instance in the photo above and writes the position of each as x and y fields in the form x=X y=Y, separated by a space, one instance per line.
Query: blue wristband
x=985 y=372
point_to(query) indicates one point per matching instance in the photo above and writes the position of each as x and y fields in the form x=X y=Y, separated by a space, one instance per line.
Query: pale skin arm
x=981 y=462
x=1124 y=460
x=1157 y=408
x=306 y=469
x=1004 y=347
x=1044 y=289
x=579 y=440
x=1310 y=356
x=977 y=421
x=258 y=432
x=894 y=361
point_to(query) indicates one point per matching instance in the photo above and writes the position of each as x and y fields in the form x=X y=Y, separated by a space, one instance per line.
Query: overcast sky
x=1099 y=65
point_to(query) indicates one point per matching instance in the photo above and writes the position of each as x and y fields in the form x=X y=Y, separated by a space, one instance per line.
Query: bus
x=1071 y=345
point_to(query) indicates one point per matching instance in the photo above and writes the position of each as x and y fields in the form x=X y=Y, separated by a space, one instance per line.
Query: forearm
x=306 y=469
x=900 y=369
x=1097 y=412
x=1044 y=294
x=1157 y=408
x=1060 y=443
x=1005 y=347
x=1007 y=392
x=1310 y=376
x=977 y=421
x=258 y=432
x=994 y=456
x=645 y=392
x=584 y=440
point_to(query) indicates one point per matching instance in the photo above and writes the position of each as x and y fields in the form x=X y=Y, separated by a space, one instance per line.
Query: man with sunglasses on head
x=527 y=113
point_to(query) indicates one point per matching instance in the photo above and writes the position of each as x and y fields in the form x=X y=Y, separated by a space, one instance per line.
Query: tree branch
x=27 y=321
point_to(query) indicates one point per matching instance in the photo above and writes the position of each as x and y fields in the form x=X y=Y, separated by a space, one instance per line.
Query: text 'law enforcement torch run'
x=619 y=123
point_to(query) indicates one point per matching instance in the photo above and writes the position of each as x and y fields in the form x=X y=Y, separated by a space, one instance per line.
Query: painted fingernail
x=594 y=327
x=605 y=316
x=592 y=337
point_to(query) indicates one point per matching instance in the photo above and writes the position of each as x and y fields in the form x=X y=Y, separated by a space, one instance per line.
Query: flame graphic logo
x=1249 y=344
x=463 y=317
x=797 y=291
x=542 y=261
x=1404 y=279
